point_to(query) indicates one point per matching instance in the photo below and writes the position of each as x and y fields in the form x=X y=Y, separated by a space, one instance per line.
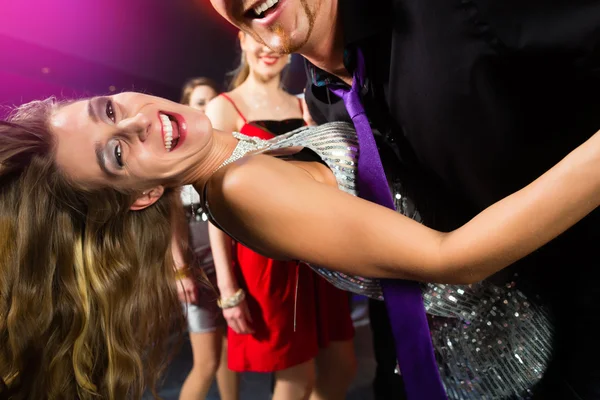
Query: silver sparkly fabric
x=245 y=145
x=491 y=342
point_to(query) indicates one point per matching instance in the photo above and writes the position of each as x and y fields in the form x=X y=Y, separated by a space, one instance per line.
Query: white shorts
x=205 y=316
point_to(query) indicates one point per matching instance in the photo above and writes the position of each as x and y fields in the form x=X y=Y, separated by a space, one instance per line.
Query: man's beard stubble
x=287 y=46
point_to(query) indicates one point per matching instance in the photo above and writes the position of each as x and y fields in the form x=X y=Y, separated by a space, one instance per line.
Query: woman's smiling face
x=129 y=141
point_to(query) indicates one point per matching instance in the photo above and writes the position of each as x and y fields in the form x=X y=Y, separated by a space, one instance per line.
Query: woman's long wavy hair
x=87 y=288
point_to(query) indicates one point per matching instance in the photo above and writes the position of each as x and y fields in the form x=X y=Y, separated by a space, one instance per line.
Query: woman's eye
x=119 y=155
x=110 y=111
x=202 y=102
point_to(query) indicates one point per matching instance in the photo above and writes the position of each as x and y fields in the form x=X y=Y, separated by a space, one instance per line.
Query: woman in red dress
x=283 y=318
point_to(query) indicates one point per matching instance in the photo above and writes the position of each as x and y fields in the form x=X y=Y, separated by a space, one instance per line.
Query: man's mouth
x=170 y=129
x=262 y=9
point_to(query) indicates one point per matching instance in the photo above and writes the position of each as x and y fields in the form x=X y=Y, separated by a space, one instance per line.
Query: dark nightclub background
x=74 y=48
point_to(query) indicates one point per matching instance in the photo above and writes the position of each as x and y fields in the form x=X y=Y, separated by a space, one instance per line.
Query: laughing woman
x=86 y=271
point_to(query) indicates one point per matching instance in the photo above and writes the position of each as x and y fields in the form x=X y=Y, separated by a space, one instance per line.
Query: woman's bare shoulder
x=240 y=177
x=250 y=191
x=256 y=170
x=222 y=114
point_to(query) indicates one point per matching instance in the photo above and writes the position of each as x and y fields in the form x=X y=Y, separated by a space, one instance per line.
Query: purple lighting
x=88 y=48
x=34 y=72
x=113 y=33
x=73 y=48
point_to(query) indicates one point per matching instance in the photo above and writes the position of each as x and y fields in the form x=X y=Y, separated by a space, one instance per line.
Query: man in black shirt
x=474 y=99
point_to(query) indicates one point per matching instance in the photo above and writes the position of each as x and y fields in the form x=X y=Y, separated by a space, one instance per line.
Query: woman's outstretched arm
x=283 y=211
x=526 y=220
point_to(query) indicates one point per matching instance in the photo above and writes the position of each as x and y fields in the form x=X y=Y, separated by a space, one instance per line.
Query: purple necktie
x=403 y=299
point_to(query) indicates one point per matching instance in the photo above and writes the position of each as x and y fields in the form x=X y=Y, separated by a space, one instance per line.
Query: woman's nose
x=138 y=125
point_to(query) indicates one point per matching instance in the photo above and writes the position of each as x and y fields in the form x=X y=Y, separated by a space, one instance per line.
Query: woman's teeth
x=168 y=130
x=258 y=10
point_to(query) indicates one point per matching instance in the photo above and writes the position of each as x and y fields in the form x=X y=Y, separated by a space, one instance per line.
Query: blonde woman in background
x=283 y=317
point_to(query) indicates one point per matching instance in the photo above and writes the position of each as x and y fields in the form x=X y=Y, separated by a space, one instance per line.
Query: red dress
x=294 y=311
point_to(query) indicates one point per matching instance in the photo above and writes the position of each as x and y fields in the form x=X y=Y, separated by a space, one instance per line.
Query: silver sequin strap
x=245 y=145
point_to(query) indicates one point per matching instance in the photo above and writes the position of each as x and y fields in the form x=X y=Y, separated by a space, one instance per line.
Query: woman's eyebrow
x=92 y=110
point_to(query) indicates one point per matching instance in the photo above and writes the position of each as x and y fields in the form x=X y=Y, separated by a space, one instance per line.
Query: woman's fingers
x=191 y=293
x=238 y=318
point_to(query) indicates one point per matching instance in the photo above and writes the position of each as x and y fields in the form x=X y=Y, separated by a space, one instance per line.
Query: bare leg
x=295 y=383
x=336 y=367
x=228 y=380
x=206 y=349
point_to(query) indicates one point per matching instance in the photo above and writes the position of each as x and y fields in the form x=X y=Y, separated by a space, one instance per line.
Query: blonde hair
x=87 y=287
x=240 y=74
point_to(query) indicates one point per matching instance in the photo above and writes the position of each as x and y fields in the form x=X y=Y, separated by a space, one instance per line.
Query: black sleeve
x=561 y=31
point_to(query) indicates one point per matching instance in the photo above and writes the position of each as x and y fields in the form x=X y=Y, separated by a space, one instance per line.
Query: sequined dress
x=491 y=342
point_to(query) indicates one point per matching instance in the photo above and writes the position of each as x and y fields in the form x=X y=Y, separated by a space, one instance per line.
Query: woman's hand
x=187 y=290
x=238 y=318
x=306 y=114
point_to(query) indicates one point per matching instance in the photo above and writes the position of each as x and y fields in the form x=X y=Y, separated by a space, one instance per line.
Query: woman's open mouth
x=170 y=131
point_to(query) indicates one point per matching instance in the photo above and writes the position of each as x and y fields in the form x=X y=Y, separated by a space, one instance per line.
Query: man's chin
x=277 y=39
x=278 y=47
x=284 y=42
x=289 y=48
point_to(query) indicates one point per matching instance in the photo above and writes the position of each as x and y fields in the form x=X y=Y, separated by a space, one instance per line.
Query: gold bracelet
x=232 y=301
x=182 y=272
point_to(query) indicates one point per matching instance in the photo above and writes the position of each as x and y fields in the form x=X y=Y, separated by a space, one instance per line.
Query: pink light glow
x=111 y=32
x=91 y=46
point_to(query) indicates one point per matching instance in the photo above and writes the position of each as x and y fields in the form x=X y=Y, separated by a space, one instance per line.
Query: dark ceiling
x=84 y=47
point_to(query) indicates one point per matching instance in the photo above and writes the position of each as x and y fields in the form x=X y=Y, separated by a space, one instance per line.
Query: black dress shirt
x=477 y=98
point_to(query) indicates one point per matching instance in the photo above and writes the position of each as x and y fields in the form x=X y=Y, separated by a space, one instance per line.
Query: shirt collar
x=361 y=19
